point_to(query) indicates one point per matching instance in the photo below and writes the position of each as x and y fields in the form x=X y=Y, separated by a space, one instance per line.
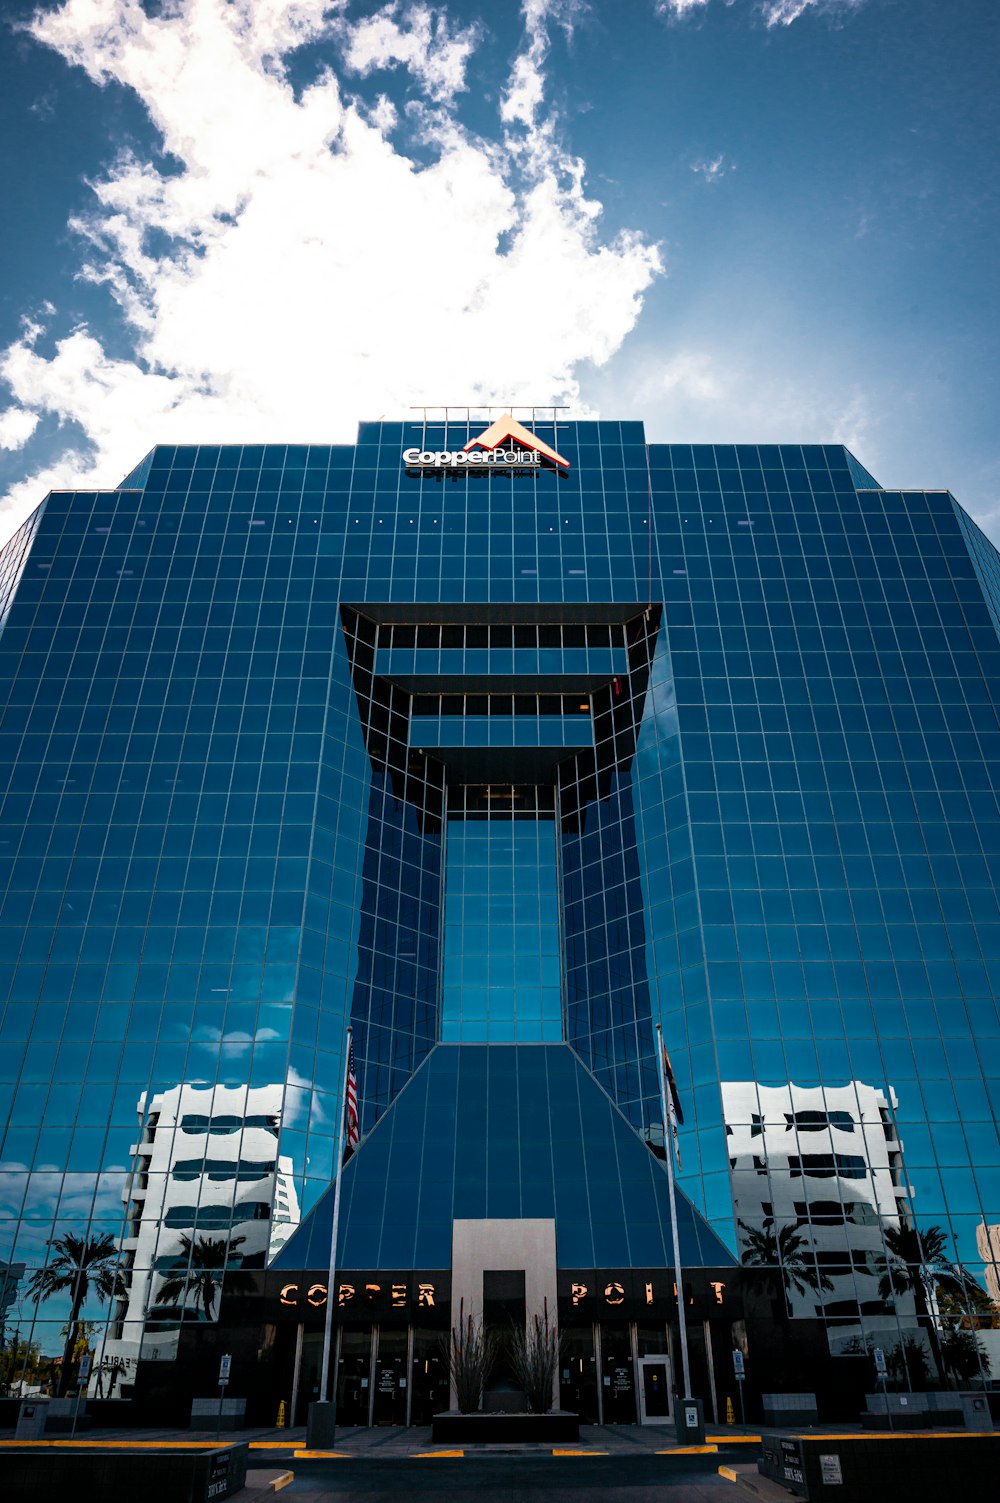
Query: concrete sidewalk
x=393 y=1442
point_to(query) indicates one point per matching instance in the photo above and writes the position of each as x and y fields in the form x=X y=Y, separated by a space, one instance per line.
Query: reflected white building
x=827 y=1161
x=988 y=1244
x=205 y=1167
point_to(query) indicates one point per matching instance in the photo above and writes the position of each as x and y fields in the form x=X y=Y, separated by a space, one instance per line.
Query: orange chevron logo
x=508 y=427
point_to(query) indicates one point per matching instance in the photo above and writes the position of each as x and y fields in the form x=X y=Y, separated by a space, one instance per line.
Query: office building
x=503 y=744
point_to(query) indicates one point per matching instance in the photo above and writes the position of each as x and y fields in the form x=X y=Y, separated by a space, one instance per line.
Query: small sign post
x=225 y=1363
x=740 y=1372
x=882 y=1373
x=81 y=1388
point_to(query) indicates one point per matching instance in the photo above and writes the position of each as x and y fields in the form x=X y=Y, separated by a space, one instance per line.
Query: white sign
x=739 y=1367
x=829 y=1469
x=225 y=1363
x=477 y=459
x=85 y=1367
x=880 y=1366
x=690 y=1418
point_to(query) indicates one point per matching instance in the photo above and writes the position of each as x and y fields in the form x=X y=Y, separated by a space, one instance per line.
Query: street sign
x=739 y=1366
x=85 y=1367
x=225 y=1363
x=830 y=1470
x=880 y=1366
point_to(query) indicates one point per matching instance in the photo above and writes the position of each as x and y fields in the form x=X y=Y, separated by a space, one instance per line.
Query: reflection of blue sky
x=501 y=932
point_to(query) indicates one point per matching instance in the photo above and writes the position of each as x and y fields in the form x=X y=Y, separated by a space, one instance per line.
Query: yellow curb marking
x=282 y=1481
x=421 y=1454
x=690 y=1451
x=735 y=1440
x=579 y=1453
x=728 y=1473
x=125 y=1445
x=896 y=1435
x=320 y=1455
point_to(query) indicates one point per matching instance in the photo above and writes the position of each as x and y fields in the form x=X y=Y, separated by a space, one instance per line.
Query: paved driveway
x=514 y=1479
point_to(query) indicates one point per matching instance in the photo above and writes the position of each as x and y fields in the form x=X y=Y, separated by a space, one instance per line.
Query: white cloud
x=774 y=12
x=422 y=42
x=713 y=168
x=16 y=427
x=522 y=99
x=784 y=12
x=296 y=269
x=679 y=8
x=712 y=397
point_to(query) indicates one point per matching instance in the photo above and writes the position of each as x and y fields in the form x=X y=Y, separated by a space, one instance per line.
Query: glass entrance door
x=578 y=1374
x=429 y=1376
x=654 y=1390
x=354 y=1377
x=389 y=1382
x=310 y=1364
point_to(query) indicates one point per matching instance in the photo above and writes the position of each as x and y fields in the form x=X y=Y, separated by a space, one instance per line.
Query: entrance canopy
x=503 y=1132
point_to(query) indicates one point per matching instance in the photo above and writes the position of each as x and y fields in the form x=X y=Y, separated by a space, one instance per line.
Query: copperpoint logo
x=488 y=450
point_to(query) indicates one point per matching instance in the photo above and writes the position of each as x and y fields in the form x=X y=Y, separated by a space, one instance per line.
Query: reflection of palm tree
x=916 y=1263
x=200 y=1271
x=77 y=1266
x=786 y=1249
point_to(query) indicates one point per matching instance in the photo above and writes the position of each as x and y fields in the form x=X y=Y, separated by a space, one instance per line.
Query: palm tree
x=201 y=1269
x=77 y=1266
x=916 y=1264
x=784 y=1248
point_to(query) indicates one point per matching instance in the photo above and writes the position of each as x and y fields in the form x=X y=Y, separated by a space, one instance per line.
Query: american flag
x=674 y=1111
x=352 y=1129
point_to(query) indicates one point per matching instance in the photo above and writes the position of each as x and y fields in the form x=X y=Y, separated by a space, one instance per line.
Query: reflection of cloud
x=92 y=1196
x=206 y=1035
x=75 y=1199
x=298 y=268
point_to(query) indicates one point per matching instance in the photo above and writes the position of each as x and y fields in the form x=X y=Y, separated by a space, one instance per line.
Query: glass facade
x=295 y=736
x=500 y=971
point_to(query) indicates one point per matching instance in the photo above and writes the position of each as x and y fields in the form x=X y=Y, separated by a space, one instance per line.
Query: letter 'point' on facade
x=504 y=757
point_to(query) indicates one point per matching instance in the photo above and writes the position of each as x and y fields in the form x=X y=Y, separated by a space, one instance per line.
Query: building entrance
x=617 y=1375
x=354 y=1378
x=428 y=1376
x=654 y=1390
x=578 y=1375
x=308 y=1376
x=390 y=1379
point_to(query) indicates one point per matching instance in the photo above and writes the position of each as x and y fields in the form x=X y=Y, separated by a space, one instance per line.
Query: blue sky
x=755 y=220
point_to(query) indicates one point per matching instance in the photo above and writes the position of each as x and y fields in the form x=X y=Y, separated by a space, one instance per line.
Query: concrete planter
x=457 y=1429
x=789 y=1408
x=171 y=1475
x=926 y=1411
x=211 y=1414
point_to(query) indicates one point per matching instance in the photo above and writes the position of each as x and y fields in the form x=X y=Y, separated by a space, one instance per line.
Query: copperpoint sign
x=489 y=451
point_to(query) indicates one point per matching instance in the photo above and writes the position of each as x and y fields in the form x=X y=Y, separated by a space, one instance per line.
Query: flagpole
x=330 y=1293
x=668 y=1144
